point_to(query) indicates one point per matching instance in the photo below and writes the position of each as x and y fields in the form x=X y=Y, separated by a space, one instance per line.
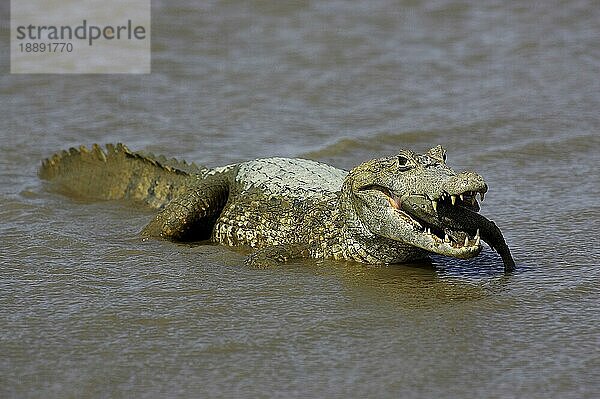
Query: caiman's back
x=291 y=178
x=276 y=201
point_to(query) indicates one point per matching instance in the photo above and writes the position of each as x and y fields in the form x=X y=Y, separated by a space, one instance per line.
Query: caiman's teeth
x=434 y=203
x=453 y=199
x=466 y=240
x=462 y=197
x=477 y=238
x=428 y=230
x=446 y=238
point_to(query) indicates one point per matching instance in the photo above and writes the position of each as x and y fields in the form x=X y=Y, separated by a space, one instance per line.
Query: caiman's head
x=417 y=199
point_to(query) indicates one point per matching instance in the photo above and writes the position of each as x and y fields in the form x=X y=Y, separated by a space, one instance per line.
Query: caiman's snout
x=465 y=182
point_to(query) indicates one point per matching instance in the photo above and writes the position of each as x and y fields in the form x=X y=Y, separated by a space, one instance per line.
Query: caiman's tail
x=118 y=173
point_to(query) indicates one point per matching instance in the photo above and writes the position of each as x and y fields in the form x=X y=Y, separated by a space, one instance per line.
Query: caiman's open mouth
x=448 y=224
x=451 y=239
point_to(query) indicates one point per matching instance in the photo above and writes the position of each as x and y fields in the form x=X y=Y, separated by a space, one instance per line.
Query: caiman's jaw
x=417 y=214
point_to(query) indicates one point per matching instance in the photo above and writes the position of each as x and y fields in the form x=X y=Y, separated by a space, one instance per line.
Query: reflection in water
x=417 y=285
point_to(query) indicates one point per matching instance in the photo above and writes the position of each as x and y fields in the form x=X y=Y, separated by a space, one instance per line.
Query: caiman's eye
x=403 y=163
x=444 y=156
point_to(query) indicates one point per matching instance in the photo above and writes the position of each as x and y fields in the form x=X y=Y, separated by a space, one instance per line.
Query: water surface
x=88 y=309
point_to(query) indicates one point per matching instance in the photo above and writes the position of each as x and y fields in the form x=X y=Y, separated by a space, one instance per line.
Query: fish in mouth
x=453 y=222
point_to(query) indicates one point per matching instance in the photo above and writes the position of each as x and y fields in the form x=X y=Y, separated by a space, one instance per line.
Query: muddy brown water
x=87 y=309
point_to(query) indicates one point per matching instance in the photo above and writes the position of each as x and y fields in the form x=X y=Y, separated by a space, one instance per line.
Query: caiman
x=388 y=210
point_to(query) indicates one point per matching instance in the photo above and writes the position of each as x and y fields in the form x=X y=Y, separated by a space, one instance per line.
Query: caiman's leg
x=192 y=215
x=277 y=254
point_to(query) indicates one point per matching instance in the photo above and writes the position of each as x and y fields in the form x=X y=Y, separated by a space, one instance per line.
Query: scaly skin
x=387 y=210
